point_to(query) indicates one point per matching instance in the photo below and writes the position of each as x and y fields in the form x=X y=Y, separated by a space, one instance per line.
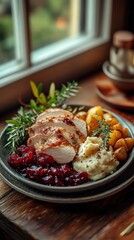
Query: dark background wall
x=130 y=22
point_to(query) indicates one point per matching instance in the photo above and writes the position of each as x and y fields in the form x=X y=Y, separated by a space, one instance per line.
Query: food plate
x=109 y=189
x=4 y=153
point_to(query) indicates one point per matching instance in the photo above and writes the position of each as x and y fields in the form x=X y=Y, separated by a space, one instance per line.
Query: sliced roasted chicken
x=73 y=125
x=53 y=112
x=58 y=133
x=51 y=131
x=57 y=147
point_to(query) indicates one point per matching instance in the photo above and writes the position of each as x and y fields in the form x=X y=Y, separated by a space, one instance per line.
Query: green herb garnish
x=18 y=127
x=103 y=131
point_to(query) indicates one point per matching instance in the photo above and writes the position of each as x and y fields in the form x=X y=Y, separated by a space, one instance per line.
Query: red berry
x=44 y=159
x=48 y=180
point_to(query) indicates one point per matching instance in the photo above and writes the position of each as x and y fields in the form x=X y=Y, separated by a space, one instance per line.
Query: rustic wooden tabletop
x=24 y=218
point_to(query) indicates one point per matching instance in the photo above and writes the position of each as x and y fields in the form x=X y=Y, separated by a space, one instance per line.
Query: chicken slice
x=57 y=147
x=37 y=141
x=61 y=154
x=60 y=132
x=81 y=125
x=53 y=112
x=40 y=141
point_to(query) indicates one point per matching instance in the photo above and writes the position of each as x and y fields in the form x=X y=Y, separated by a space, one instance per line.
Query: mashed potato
x=95 y=160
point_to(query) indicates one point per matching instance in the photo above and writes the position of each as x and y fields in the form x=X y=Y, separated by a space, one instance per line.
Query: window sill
x=71 y=69
x=82 y=45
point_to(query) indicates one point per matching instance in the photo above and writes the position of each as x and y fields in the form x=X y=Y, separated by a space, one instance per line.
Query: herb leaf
x=103 y=131
x=18 y=127
x=66 y=91
x=34 y=89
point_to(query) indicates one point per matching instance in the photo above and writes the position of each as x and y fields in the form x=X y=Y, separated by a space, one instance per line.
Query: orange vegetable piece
x=129 y=142
x=120 y=143
x=121 y=154
x=109 y=119
x=97 y=110
x=114 y=136
x=125 y=132
x=118 y=126
x=93 y=124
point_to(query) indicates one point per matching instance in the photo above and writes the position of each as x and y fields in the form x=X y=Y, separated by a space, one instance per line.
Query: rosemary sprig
x=103 y=131
x=66 y=91
x=26 y=116
x=18 y=127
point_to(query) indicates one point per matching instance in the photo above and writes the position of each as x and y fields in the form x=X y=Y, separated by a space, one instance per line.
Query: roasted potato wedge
x=121 y=154
x=121 y=143
x=97 y=110
x=93 y=122
x=118 y=126
x=109 y=119
x=129 y=142
x=114 y=136
x=125 y=132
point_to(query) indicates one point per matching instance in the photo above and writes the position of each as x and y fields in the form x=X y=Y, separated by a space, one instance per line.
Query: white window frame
x=59 y=52
x=21 y=58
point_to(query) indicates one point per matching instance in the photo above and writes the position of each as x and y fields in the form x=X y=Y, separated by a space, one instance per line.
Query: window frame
x=21 y=55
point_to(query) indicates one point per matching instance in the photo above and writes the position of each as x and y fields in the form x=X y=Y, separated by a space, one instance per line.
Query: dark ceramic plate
x=4 y=153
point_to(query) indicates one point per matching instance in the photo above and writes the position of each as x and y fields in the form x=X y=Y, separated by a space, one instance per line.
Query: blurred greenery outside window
x=50 y=21
x=56 y=27
x=7 y=48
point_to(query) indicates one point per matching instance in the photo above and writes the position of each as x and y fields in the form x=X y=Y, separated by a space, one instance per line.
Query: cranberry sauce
x=43 y=169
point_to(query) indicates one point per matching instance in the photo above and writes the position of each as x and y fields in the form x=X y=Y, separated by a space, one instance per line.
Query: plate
x=4 y=153
x=110 y=94
x=107 y=190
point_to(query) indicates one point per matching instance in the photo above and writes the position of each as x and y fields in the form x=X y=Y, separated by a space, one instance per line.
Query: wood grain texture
x=51 y=221
x=4 y=189
x=23 y=218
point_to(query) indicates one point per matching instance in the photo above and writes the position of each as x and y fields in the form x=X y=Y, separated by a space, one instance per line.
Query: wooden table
x=23 y=218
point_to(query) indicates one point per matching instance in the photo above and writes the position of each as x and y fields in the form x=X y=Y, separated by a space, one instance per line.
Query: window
x=50 y=40
x=42 y=33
